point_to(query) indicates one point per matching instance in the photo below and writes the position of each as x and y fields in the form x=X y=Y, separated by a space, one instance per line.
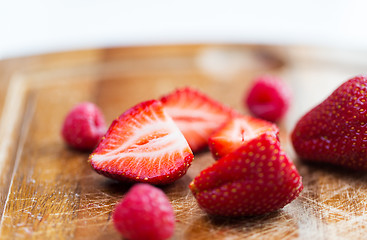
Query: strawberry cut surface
x=143 y=145
x=236 y=132
x=196 y=115
x=257 y=178
x=335 y=131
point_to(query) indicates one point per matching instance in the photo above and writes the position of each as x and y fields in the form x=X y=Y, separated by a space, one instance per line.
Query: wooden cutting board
x=49 y=191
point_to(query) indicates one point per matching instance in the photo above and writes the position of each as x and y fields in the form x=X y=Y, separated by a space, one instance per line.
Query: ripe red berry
x=238 y=131
x=84 y=126
x=335 y=130
x=144 y=213
x=268 y=98
x=143 y=145
x=256 y=178
x=196 y=115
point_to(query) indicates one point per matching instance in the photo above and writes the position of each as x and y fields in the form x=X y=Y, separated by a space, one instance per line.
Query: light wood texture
x=49 y=191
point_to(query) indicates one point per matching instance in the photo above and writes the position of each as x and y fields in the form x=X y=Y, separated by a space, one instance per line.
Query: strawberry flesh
x=236 y=132
x=335 y=131
x=196 y=115
x=143 y=145
x=257 y=178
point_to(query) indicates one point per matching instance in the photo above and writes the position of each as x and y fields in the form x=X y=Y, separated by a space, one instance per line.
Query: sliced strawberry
x=236 y=132
x=143 y=145
x=257 y=178
x=335 y=131
x=196 y=115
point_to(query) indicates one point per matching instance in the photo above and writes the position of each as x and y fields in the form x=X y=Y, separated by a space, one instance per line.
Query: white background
x=36 y=26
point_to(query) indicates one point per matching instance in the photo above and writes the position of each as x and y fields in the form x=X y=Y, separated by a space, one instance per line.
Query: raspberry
x=144 y=213
x=83 y=126
x=268 y=98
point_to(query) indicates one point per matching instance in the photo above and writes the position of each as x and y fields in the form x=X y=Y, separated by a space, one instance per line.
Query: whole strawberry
x=84 y=126
x=257 y=178
x=145 y=213
x=268 y=98
x=335 y=131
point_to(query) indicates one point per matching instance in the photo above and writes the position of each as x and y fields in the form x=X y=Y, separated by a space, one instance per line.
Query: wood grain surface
x=49 y=191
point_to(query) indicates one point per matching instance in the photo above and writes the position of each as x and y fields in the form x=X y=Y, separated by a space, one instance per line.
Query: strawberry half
x=236 y=132
x=143 y=145
x=196 y=115
x=257 y=178
x=335 y=131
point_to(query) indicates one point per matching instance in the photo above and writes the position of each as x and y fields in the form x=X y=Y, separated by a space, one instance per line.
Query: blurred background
x=40 y=26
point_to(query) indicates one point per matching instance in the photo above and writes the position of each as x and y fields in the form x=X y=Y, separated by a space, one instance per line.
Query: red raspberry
x=268 y=98
x=83 y=126
x=144 y=213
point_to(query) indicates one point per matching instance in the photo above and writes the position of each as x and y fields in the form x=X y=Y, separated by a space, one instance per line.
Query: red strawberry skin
x=335 y=131
x=196 y=115
x=144 y=213
x=236 y=132
x=255 y=179
x=143 y=145
x=268 y=98
x=83 y=126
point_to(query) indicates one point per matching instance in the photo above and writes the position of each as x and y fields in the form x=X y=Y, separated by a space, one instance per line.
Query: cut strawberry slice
x=257 y=178
x=236 y=132
x=196 y=115
x=143 y=145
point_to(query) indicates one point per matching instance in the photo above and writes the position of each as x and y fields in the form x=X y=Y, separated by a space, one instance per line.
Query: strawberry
x=196 y=115
x=257 y=178
x=335 y=130
x=83 y=126
x=236 y=132
x=143 y=145
x=144 y=213
x=268 y=98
